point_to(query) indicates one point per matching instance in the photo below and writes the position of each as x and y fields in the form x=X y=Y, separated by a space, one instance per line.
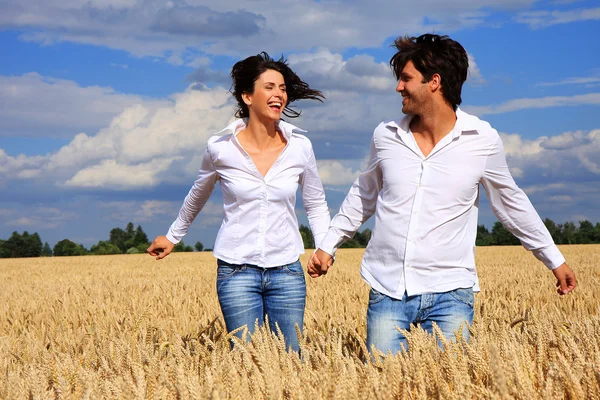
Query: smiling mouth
x=276 y=105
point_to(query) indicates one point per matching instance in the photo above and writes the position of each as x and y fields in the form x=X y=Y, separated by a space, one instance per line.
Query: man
x=422 y=184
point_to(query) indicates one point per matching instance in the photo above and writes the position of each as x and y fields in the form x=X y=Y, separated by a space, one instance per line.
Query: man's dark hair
x=245 y=72
x=434 y=54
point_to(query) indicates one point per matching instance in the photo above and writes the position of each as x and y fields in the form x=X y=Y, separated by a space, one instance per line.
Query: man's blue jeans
x=248 y=293
x=449 y=310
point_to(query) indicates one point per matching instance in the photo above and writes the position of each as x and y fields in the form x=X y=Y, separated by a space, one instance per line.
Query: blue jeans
x=248 y=293
x=449 y=310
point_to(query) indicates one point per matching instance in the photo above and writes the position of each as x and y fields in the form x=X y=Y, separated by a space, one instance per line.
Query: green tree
x=199 y=246
x=363 y=237
x=585 y=232
x=307 y=237
x=596 y=235
x=67 y=248
x=4 y=250
x=502 y=236
x=104 y=248
x=568 y=233
x=554 y=230
x=118 y=237
x=351 y=244
x=484 y=237
x=46 y=250
x=24 y=245
x=181 y=247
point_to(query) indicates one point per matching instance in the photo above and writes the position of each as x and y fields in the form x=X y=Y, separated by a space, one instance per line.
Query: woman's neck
x=261 y=134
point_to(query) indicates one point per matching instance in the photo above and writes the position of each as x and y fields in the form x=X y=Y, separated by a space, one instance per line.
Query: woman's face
x=269 y=97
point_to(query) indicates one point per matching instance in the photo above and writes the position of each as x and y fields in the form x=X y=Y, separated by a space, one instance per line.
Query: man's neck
x=435 y=123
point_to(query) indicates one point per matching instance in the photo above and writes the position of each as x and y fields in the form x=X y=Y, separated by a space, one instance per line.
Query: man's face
x=413 y=90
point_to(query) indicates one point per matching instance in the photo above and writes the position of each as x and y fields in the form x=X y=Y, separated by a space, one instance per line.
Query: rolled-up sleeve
x=195 y=199
x=313 y=199
x=514 y=210
x=358 y=206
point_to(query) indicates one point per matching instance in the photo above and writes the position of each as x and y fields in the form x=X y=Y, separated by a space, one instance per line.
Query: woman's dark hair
x=434 y=54
x=245 y=72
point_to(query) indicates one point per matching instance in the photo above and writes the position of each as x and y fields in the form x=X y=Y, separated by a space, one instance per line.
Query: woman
x=259 y=161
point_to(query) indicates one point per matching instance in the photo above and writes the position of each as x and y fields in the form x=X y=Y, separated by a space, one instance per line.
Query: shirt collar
x=239 y=124
x=464 y=123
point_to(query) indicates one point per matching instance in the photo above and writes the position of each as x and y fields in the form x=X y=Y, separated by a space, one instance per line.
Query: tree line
x=132 y=240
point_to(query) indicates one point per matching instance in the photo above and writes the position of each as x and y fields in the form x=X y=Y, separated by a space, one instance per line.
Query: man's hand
x=565 y=279
x=319 y=263
x=160 y=248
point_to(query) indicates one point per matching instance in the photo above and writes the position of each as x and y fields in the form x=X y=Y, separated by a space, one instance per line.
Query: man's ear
x=436 y=82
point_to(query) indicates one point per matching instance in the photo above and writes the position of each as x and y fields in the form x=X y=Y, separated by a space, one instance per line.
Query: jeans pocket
x=375 y=296
x=294 y=269
x=225 y=271
x=464 y=295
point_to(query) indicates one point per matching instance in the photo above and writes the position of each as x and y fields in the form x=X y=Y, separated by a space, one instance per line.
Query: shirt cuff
x=550 y=256
x=329 y=243
x=172 y=238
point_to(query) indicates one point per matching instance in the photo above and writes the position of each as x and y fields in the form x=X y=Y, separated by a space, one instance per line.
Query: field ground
x=131 y=327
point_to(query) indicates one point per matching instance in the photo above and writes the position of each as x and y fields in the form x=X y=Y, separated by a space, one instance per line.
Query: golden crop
x=131 y=327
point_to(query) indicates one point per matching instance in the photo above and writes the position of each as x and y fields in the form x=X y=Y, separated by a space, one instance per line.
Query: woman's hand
x=161 y=247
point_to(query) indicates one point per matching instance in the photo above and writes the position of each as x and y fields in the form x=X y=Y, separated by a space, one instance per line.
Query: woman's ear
x=247 y=98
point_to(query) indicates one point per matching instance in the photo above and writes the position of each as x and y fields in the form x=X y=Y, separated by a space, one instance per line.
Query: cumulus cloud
x=136 y=149
x=37 y=218
x=203 y=21
x=32 y=105
x=329 y=71
x=568 y=157
x=333 y=172
x=475 y=77
x=150 y=210
x=157 y=28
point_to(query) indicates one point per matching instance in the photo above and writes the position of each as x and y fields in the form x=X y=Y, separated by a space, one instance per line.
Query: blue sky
x=106 y=105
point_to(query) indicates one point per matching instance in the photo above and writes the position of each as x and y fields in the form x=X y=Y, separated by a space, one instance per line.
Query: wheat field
x=131 y=327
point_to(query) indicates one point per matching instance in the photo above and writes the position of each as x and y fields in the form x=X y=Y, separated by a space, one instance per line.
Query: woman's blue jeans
x=248 y=293
x=451 y=311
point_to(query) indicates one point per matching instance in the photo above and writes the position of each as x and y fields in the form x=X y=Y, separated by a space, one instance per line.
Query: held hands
x=565 y=279
x=160 y=248
x=319 y=263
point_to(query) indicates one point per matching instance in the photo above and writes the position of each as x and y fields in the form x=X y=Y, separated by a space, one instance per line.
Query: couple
x=421 y=183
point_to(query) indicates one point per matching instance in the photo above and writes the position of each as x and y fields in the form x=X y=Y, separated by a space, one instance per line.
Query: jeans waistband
x=226 y=264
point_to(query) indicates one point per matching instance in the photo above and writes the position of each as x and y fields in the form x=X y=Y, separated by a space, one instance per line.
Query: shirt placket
x=413 y=228
x=262 y=223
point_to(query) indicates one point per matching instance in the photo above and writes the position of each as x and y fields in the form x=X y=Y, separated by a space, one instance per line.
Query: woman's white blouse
x=259 y=223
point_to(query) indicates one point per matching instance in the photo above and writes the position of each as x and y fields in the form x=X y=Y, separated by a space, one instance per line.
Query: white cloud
x=147 y=211
x=329 y=71
x=562 y=158
x=581 y=81
x=32 y=105
x=37 y=218
x=533 y=103
x=475 y=77
x=543 y=19
x=333 y=172
x=160 y=29
x=141 y=147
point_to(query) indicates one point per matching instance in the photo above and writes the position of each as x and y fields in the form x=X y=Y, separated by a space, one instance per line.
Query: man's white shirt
x=426 y=208
x=259 y=226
